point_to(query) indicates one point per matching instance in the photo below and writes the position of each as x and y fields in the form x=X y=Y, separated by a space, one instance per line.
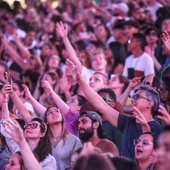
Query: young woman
x=40 y=93
x=70 y=109
x=16 y=162
x=35 y=132
x=145 y=151
x=19 y=90
x=52 y=64
x=64 y=143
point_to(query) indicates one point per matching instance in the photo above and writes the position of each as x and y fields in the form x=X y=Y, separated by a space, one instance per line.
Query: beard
x=88 y=133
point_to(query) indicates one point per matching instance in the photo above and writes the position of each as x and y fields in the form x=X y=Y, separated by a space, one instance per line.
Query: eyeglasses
x=152 y=34
x=143 y=142
x=32 y=125
x=52 y=112
x=137 y=96
x=107 y=99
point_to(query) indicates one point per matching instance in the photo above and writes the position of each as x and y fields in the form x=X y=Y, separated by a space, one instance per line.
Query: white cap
x=122 y=6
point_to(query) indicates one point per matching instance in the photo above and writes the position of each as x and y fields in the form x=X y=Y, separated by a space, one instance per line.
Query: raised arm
x=63 y=32
x=14 y=130
x=36 y=105
x=109 y=113
x=166 y=40
x=24 y=113
x=23 y=51
x=5 y=111
x=58 y=101
x=133 y=83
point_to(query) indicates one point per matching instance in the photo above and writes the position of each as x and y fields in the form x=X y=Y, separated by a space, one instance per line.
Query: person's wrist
x=12 y=94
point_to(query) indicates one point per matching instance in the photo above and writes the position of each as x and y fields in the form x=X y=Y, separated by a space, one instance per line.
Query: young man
x=98 y=81
x=145 y=103
x=91 y=130
x=139 y=63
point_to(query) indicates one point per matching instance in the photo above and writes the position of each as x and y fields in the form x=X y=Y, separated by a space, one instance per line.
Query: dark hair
x=152 y=28
x=132 y=23
x=109 y=91
x=81 y=100
x=166 y=129
x=166 y=80
x=3 y=63
x=104 y=77
x=120 y=24
x=3 y=141
x=19 y=84
x=53 y=75
x=121 y=163
x=32 y=76
x=141 y=38
x=125 y=81
x=118 y=52
x=46 y=67
x=44 y=147
x=93 y=161
x=154 y=136
x=153 y=96
x=100 y=131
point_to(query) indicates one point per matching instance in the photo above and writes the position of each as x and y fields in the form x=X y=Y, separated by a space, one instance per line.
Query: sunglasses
x=32 y=125
x=107 y=99
x=137 y=96
x=143 y=142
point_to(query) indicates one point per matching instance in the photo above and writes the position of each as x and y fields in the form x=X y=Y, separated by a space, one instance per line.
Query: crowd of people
x=85 y=84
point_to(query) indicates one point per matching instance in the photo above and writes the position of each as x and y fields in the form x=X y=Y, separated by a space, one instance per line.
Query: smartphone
x=9 y=78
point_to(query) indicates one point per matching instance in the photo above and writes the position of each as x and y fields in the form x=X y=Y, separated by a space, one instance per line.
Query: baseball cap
x=92 y=115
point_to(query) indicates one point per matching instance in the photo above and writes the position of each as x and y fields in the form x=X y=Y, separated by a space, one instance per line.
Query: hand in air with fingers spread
x=61 y=29
x=166 y=40
x=140 y=118
x=164 y=115
x=73 y=69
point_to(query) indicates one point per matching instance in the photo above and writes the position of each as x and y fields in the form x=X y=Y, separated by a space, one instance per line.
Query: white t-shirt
x=142 y=63
x=86 y=73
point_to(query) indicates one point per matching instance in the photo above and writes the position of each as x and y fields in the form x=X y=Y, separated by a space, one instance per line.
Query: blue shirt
x=132 y=130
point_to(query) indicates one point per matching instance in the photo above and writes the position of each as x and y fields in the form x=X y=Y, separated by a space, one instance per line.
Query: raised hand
x=47 y=86
x=164 y=115
x=27 y=91
x=12 y=127
x=148 y=80
x=73 y=69
x=140 y=118
x=135 y=82
x=61 y=29
x=166 y=40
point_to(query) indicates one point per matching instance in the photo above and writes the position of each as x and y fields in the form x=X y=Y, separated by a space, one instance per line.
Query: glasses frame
x=31 y=125
x=139 y=96
x=143 y=142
